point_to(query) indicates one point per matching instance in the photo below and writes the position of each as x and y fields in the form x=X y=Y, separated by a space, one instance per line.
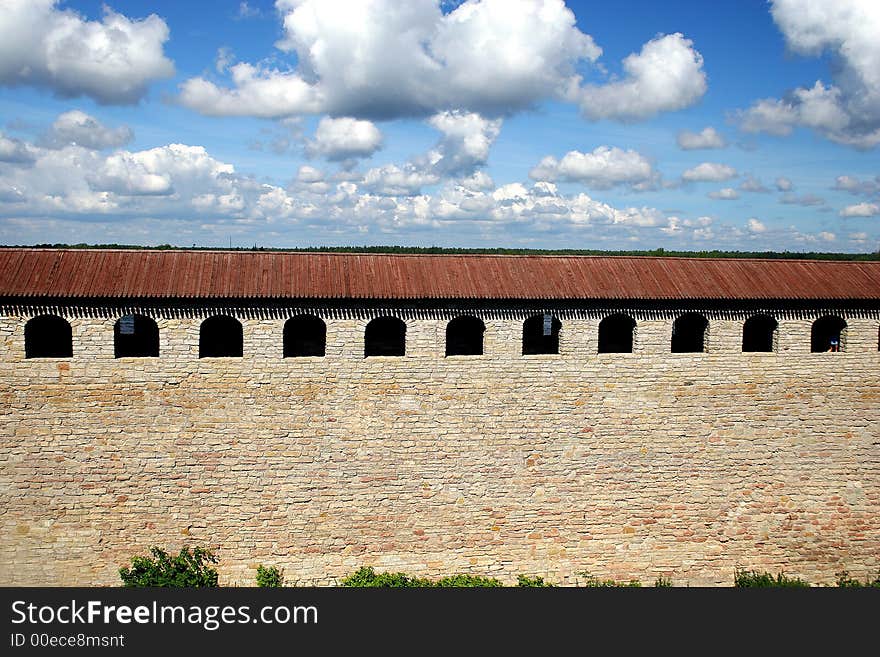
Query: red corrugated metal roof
x=97 y=273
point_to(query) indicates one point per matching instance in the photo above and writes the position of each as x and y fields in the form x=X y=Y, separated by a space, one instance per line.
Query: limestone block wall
x=623 y=465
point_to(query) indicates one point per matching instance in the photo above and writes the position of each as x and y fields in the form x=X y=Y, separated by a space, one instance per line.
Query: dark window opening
x=541 y=335
x=828 y=334
x=689 y=334
x=48 y=336
x=221 y=336
x=135 y=336
x=385 y=336
x=305 y=335
x=759 y=333
x=464 y=337
x=616 y=334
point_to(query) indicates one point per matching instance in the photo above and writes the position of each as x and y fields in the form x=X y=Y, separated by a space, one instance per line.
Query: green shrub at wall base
x=591 y=581
x=467 y=581
x=187 y=569
x=845 y=581
x=367 y=577
x=269 y=577
x=532 y=582
x=754 y=579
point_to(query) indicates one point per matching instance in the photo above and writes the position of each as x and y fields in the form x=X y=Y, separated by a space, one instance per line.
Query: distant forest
x=811 y=255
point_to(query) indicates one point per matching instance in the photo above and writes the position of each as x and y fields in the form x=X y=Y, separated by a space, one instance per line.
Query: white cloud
x=15 y=151
x=676 y=226
x=78 y=128
x=174 y=180
x=848 y=111
x=246 y=11
x=391 y=180
x=726 y=194
x=756 y=226
x=847 y=183
x=604 y=168
x=467 y=138
x=263 y=93
x=709 y=172
x=188 y=172
x=858 y=238
x=224 y=59
x=827 y=236
x=806 y=200
x=385 y=59
x=184 y=183
x=666 y=75
x=309 y=174
x=707 y=138
x=861 y=210
x=112 y=61
x=185 y=192
x=752 y=184
x=854 y=185
x=344 y=138
x=784 y=185
x=462 y=149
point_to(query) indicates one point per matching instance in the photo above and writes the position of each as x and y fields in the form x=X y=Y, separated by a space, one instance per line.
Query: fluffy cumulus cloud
x=854 y=185
x=344 y=138
x=392 y=180
x=16 y=151
x=78 y=128
x=756 y=226
x=806 y=200
x=752 y=184
x=467 y=138
x=603 y=168
x=666 y=75
x=79 y=191
x=463 y=148
x=701 y=227
x=784 y=184
x=707 y=138
x=861 y=210
x=112 y=60
x=847 y=111
x=709 y=172
x=186 y=184
x=384 y=59
x=74 y=179
x=726 y=194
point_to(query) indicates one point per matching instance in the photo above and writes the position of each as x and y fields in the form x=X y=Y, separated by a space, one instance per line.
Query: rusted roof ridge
x=276 y=275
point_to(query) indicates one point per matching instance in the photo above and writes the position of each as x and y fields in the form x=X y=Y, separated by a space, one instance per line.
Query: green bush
x=845 y=581
x=467 y=581
x=662 y=582
x=590 y=581
x=367 y=577
x=536 y=582
x=187 y=569
x=754 y=579
x=269 y=577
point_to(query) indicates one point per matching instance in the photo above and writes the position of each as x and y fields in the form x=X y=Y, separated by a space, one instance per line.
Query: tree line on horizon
x=441 y=250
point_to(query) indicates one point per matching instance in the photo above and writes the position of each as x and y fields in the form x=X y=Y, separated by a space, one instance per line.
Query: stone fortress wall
x=686 y=465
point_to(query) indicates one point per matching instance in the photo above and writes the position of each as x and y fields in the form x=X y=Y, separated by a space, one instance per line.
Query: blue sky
x=736 y=124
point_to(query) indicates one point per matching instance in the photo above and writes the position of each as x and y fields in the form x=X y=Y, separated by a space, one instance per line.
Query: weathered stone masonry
x=623 y=465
